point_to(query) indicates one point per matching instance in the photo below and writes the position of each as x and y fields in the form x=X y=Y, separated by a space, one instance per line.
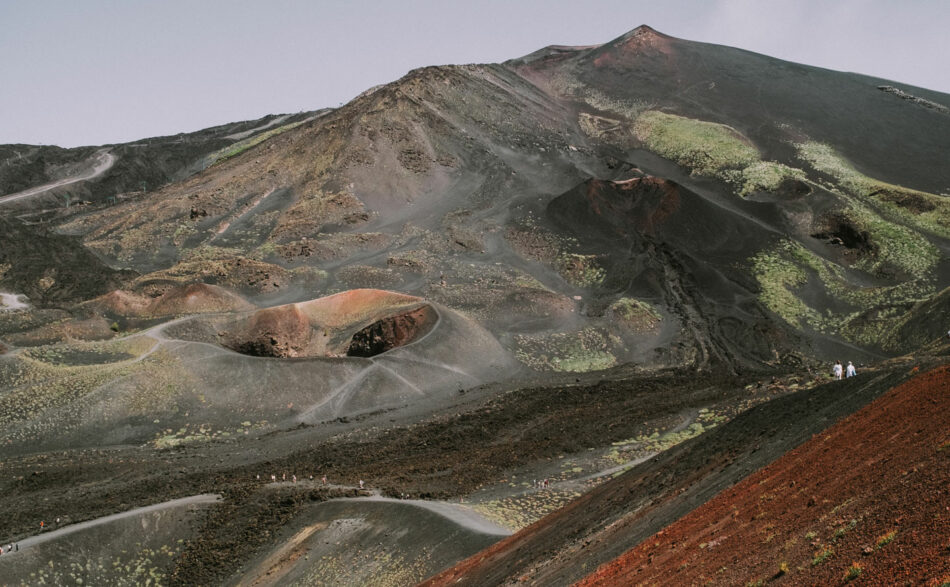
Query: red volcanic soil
x=869 y=497
x=360 y=323
x=283 y=331
x=355 y=305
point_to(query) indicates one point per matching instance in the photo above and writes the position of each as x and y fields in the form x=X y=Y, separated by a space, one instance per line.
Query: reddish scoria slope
x=867 y=499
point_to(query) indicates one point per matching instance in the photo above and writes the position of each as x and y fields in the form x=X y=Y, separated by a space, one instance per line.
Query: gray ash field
x=544 y=294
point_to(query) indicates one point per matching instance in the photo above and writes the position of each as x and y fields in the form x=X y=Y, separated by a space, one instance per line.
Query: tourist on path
x=851 y=370
x=837 y=370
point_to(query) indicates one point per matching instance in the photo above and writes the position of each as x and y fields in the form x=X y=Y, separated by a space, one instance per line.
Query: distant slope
x=865 y=499
x=149 y=163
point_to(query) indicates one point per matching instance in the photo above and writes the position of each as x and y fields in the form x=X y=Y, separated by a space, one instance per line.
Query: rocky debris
x=392 y=332
x=915 y=99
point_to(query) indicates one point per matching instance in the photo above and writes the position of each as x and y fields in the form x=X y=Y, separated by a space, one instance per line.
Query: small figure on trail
x=57 y=521
x=324 y=479
x=851 y=370
x=42 y=524
x=295 y=478
x=837 y=370
x=361 y=484
x=258 y=476
x=283 y=476
x=273 y=478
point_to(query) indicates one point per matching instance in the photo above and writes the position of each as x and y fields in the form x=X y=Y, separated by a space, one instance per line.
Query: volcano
x=547 y=288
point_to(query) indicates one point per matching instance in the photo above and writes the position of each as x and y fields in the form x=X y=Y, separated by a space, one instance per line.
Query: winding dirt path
x=26 y=543
x=458 y=514
x=103 y=161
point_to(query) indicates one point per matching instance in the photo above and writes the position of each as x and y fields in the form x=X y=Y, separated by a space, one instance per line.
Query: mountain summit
x=467 y=283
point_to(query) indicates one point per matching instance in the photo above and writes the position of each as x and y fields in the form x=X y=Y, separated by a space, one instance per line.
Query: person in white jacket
x=837 y=370
x=850 y=372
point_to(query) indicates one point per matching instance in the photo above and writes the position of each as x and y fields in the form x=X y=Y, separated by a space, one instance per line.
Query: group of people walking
x=838 y=370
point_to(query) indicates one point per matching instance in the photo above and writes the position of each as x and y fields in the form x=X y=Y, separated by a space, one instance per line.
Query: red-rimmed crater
x=356 y=323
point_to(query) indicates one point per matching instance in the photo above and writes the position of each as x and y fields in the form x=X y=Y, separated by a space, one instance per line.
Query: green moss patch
x=636 y=314
x=783 y=271
x=243 y=145
x=923 y=210
x=706 y=148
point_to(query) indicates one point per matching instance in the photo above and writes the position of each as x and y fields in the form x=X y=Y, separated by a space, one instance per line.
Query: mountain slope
x=456 y=174
x=866 y=498
x=462 y=285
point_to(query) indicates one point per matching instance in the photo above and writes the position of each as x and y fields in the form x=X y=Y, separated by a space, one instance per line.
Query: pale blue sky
x=80 y=72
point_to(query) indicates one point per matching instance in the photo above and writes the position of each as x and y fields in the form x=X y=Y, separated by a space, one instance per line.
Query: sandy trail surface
x=459 y=514
x=203 y=498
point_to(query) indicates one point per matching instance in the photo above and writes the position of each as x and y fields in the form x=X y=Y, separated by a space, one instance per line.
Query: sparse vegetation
x=885 y=539
x=638 y=314
x=587 y=350
x=923 y=210
x=580 y=270
x=853 y=572
x=822 y=555
x=706 y=148
x=766 y=176
x=245 y=144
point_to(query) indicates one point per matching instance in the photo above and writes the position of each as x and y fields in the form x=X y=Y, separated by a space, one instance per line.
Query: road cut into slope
x=102 y=162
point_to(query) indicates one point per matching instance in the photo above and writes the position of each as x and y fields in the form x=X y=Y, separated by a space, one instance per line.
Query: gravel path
x=26 y=543
x=103 y=161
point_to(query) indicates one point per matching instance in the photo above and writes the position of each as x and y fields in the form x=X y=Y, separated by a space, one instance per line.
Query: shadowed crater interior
x=391 y=332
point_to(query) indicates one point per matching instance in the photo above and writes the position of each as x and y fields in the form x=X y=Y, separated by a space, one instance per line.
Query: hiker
x=361 y=484
x=851 y=370
x=295 y=479
x=324 y=479
x=837 y=370
x=273 y=478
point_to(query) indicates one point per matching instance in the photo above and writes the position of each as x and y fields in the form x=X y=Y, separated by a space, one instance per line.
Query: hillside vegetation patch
x=922 y=210
x=712 y=149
